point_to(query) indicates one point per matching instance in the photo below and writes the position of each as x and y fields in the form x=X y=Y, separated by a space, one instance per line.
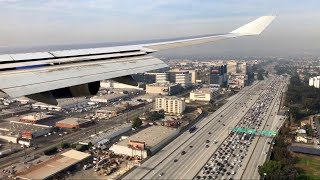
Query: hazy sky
x=48 y=22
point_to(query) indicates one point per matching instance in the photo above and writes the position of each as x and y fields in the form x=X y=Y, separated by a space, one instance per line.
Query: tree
x=309 y=130
x=269 y=167
x=65 y=145
x=260 y=76
x=136 y=123
x=50 y=151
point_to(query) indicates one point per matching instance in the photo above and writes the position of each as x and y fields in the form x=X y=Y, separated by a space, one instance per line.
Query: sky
x=41 y=23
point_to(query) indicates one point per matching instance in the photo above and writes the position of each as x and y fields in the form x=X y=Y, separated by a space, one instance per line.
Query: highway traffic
x=213 y=151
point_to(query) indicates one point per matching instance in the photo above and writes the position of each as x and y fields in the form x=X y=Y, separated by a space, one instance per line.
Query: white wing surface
x=31 y=73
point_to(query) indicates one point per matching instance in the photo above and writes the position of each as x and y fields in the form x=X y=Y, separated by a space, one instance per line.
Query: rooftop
x=152 y=136
x=35 y=116
x=55 y=165
x=17 y=127
x=74 y=121
x=106 y=135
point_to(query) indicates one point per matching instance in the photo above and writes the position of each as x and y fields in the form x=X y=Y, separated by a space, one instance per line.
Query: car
x=183 y=152
x=175 y=160
x=161 y=174
x=207 y=146
x=207 y=141
x=191 y=146
x=209 y=133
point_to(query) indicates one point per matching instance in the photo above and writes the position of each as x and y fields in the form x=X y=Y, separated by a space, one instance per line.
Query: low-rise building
x=50 y=168
x=201 y=95
x=74 y=123
x=36 y=118
x=28 y=130
x=147 y=140
x=66 y=103
x=163 y=88
x=170 y=105
x=109 y=98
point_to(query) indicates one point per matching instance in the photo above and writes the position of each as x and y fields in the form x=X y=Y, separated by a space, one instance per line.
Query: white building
x=162 y=78
x=170 y=105
x=184 y=79
x=201 y=95
x=314 y=81
x=193 y=76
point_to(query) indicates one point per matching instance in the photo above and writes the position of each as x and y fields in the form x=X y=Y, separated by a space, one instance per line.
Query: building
x=163 y=89
x=109 y=111
x=201 y=95
x=193 y=76
x=117 y=85
x=73 y=123
x=28 y=130
x=170 y=105
x=52 y=167
x=234 y=67
x=150 y=139
x=182 y=77
x=109 y=98
x=314 y=81
x=231 y=67
x=36 y=118
x=162 y=77
x=65 y=103
x=237 y=81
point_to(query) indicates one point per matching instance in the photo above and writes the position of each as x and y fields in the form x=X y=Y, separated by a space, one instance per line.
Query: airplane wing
x=33 y=73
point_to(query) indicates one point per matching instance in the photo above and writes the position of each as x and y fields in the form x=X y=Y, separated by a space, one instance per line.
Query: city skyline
x=46 y=23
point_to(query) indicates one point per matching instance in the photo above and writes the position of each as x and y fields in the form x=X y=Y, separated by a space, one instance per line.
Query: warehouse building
x=74 y=123
x=50 y=169
x=109 y=98
x=147 y=140
x=66 y=103
x=36 y=118
x=28 y=130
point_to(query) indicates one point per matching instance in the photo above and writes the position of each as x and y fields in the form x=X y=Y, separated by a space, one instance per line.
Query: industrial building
x=66 y=103
x=7 y=113
x=150 y=139
x=52 y=167
x=36 y=118
x=170 y=105
x=74 y=123
x=109 y=98
x=201 y=95
x=109 y=111
x=98 y=140
x=23 y=130
x=164 y=89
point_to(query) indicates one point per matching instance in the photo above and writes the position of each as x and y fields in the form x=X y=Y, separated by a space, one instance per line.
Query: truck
x=192 y=129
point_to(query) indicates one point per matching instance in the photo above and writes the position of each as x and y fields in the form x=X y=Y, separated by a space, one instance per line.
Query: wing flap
x=26 y=82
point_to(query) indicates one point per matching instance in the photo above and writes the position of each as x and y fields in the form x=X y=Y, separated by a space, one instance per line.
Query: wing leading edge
x=67 y=68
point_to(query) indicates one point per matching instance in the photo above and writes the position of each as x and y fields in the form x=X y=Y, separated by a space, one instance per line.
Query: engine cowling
x=88 y=89
x=49 y=97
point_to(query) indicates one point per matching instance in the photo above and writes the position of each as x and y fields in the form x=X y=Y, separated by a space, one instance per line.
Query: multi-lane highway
x=261 y=146
x=186 y=156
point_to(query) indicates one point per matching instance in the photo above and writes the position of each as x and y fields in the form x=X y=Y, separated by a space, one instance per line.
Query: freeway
x=262 y=145
x=186 y=155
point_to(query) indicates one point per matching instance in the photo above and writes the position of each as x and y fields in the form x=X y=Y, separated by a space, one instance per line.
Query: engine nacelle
x=88 y=89
x=50 y=97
